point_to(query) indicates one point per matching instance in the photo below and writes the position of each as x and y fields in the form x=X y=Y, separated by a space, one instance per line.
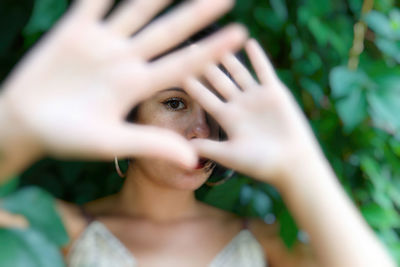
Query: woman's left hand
x=268 y=136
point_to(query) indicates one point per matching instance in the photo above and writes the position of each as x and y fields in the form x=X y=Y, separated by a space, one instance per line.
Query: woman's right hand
x=70 y=95
x=10 y=220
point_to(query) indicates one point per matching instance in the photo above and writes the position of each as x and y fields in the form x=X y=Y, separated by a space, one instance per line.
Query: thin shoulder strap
x=88 y=217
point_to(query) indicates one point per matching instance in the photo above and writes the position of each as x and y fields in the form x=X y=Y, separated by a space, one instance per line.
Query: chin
x=189 y=180
x=173 y=176
x=193 y=179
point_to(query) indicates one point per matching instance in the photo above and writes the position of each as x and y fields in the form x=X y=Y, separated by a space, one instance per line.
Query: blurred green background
x=341 y=60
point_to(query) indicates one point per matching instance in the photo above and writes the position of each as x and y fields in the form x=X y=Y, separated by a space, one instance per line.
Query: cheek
x=158 y=116
x=178 y=124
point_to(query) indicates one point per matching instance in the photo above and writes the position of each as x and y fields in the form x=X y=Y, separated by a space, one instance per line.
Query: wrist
x=17 y=150
x=310 y=168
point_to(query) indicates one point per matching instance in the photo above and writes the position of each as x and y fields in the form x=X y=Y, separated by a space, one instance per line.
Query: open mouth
x=202 y=163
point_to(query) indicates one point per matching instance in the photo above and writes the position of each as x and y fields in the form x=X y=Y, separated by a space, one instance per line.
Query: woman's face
x=174 y=109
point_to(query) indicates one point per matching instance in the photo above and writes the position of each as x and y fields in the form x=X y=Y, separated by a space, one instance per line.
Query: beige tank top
x=98 y=247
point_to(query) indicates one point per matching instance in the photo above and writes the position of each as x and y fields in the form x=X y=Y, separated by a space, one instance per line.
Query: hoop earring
x=118 y=169
x=223 y=180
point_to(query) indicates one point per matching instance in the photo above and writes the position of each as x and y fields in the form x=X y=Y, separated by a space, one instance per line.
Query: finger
x=214 y=150
x=175 y=27
x=221 y=82
x=175 y=67
x=92 y=9
x=260 y=62
x=148 y=141
x=210 y=102
x=131 y=15
x=9 y=220
x=239 y=72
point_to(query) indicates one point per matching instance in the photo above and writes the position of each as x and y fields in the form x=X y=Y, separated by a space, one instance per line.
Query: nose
x=199 y=127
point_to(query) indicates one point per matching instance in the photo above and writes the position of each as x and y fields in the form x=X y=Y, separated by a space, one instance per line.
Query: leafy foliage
x=353 y=111
x=40 y=244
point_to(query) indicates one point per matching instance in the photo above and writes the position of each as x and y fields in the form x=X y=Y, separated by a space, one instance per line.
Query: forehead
x=204 y=81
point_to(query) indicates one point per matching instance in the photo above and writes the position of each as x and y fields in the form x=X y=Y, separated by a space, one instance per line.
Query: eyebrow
x=174 y=89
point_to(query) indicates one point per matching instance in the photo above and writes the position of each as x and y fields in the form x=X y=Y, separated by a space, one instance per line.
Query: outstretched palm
x=71 y=94
x=267 y=133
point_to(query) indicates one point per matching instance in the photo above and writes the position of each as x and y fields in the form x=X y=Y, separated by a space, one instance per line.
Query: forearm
x=339 y=235
x=15 y=152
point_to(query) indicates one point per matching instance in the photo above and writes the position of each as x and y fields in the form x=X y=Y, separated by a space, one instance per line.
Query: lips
x=201 y=163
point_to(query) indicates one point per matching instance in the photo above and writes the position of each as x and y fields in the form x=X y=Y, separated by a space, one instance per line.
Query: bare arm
x=339 y=235
x=15 y=151
x=269 y=139
x=277 y=253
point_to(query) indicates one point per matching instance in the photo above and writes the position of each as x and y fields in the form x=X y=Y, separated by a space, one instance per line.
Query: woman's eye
x=175 y=103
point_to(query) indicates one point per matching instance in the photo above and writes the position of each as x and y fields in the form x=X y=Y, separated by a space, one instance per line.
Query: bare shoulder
x=72 y=217
x=75 y=222
x=277 y=253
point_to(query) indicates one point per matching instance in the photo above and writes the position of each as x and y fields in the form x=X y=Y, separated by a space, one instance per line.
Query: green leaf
x=45 y=14
x=340 y=41
x=304 y=15
x=379 y=23
x=344 y=81
x=352 y=109
x=349 y=88
x=395 y=146
x=394 y=193
x=297 y=49
x=314 y=89
x=288 y=228
x=380 y=218
x=271 y=191
x=389 y=47
x=280 y=9
x=246 y=194
x=384 y=5
x=394 y=17
x=9 y=187
x=262 y=203
x=28 y=248
x=39 y=208
x=355 y=6
x=395 y=251
x=382 y=189
x=310 y=65
x=225 y=196
x=319 y=30
x=384 y=104
x=266 y=17
x=392 y=242
x=319 y=8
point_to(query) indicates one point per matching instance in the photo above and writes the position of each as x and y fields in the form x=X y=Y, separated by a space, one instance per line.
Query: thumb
x=150 y=141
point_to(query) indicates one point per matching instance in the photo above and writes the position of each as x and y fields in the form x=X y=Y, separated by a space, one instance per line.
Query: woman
x=155 y=219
